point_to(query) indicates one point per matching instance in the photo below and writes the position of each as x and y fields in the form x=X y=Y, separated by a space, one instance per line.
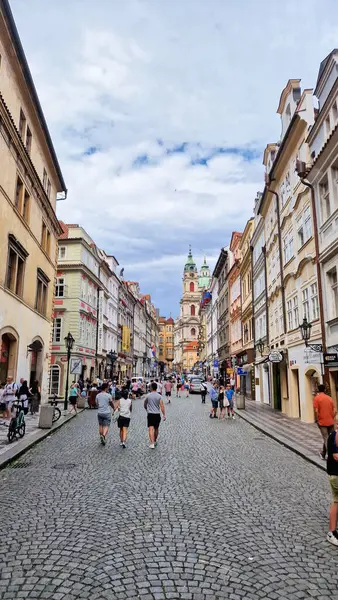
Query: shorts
x=231 y=404
x=214 y=403
x=334 y=487
x=73 y=400
x=104 y=420
x=154 y=420
x=168 y=393
x=123 y=422
x=221 y=404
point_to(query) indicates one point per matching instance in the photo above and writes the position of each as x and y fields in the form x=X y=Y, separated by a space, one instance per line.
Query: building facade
x=246 y=354
x=30 y=179
x=234 y=283
x=221 y=275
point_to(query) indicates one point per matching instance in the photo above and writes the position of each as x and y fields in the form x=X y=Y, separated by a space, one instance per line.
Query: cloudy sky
x=160 y=110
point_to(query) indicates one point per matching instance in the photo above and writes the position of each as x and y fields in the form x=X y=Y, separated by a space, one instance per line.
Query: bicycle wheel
x=11 y=433
x=56 y=414
x=22 y=429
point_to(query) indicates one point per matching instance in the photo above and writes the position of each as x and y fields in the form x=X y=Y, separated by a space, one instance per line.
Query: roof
x=64 y=227
x=170 y=321
x=322 y=68
x=9 y=19
x=190 y=264
x=292 y=84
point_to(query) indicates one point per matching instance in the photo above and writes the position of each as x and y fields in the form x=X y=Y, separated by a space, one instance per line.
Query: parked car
x=195 y=385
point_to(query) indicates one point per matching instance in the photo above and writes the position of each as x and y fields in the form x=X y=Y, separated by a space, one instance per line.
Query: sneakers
x=123 y=444
x=152 y=446
x=233 y=416
x=155 y=444
x=103 y=440
x=332 y=537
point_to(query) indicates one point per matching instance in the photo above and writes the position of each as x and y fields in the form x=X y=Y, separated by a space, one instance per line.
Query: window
x=327 y=125
x=60 y=287
x=19 y=194
x=333 y=282
x=288 y=247
x=22 y=124
x=57 y=328
x=54 y=380
x=290 y=315
x=25 y=208
x=15 y=266
x=192 y=310
x=192 y=286
x=305 y=302
x=246 y=333
x=324 y=196
x=193 y=332
x=41 y=292
x=314 y=301
x=44 y=179
x=45 y=238
x=28 y=140
x=48 y=188
x=295 y=311
x=62 y=252
x=81 y=330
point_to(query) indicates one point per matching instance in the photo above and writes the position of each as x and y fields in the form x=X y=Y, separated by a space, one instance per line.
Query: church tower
x=204 y=277
x=189 y=314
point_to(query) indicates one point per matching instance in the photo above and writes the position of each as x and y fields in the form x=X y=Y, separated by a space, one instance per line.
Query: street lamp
x=305 y=329
x=260 y=346
x=113 y=358
x=69 y=341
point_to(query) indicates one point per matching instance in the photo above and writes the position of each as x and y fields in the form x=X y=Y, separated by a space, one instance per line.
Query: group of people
x=28 y=395
x=222 y=400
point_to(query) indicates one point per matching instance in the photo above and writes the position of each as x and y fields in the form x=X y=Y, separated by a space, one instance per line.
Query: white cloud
x=118 y=76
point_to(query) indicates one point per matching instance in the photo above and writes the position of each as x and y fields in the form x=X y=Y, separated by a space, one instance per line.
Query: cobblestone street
x=218 y=510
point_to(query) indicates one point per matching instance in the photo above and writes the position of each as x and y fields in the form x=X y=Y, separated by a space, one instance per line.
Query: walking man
x=103 y=402
x=204 y=390
x=168 y=387
x=324 y=414
x=214 y=401
x=154 y=406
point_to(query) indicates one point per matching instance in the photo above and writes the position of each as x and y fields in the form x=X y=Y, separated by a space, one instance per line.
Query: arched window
x=54 y=380
x=193 y=332
x=192 y=310
x=192 y=286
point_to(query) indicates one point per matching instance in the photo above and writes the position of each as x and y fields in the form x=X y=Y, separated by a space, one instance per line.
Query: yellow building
x=166 y=342
x=30 y=179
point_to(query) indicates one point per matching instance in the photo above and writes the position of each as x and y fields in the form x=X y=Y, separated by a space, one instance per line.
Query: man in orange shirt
x=325 y=414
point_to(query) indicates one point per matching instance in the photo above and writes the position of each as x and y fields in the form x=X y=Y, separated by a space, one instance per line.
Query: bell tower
x=189 y=313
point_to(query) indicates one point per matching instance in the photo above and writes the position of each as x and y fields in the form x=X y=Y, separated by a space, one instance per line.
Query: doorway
x=277 y=395
x=8 y=358
x=35 y=348
x=295 y=389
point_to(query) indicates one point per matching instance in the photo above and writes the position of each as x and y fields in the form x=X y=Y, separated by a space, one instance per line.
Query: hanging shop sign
x=275 y=357
x=330 y=358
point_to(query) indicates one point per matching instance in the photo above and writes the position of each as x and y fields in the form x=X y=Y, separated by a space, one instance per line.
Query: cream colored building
x=30 y=179
x=246 y=355
x=79 y=298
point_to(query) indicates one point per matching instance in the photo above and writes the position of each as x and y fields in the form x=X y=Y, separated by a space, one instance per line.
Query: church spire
x=190 y=265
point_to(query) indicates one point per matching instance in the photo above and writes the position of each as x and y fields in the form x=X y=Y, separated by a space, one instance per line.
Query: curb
x=281 y=440
x=24 y=445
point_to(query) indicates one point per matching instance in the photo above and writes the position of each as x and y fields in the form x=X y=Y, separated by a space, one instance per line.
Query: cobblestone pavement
x=218 y=510
x=32 y=425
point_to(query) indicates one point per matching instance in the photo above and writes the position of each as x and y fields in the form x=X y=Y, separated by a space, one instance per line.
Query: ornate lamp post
x=69 y=341
x=260 y=346
x=113 y=358
x=305 y=329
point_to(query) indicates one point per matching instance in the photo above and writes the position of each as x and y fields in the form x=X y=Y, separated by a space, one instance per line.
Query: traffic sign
x=240 y=371
x=76 y=366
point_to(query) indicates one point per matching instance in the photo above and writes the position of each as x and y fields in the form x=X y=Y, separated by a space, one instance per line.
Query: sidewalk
x=303 y=438
x=33 y=435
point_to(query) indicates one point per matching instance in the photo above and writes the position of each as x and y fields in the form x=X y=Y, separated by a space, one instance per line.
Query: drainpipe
x=253 y=327
x=319 y=279
x=266 y=297
x=280 y=259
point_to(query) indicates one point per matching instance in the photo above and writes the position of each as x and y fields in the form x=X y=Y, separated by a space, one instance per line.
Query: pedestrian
x=124 y=406
x=204 y=390
x=214 y=401
x=104 y=403
x=128 y=383
x=221 y=402
x=134 y=388
x=159 y=386
x=332 y=471
x=229 y=393
x=168 y=387
x=73 y=396
x=23 y=395
x=232 y=383
x=35 y=398
x=8 y=396
x=324 y=415
x=154 y=406
x=186 y=387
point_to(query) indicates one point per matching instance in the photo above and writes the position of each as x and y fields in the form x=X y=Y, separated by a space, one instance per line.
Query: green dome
x=190 y=266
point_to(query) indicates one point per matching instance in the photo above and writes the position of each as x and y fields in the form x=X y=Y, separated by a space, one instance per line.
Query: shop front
x=246 y=373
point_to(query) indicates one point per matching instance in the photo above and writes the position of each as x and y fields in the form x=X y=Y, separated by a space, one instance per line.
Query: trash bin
x=46 y=416
x=240 y=402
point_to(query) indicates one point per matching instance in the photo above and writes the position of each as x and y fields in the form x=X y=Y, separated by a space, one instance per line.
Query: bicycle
x=17 y=425
x=57 y=411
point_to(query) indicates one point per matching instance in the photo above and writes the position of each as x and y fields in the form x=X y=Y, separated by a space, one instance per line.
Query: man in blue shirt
x=230 y=396
x=214 y=401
